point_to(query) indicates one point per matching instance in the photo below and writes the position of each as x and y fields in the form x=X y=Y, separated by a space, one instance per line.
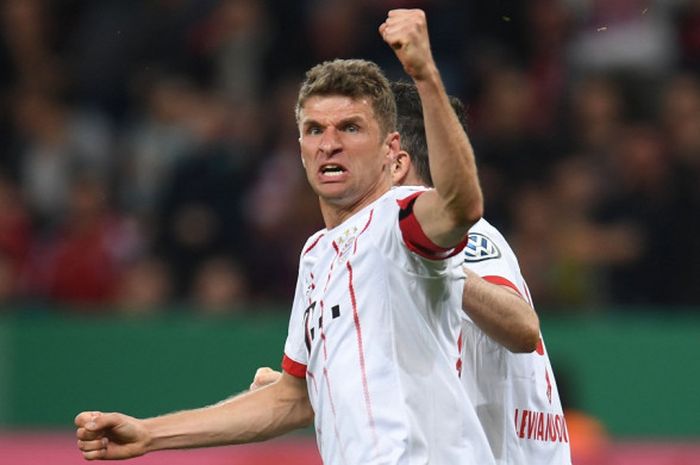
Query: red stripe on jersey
x=309 y=248
x=460 y=343
x=361 y=351
x=296 y=369
x=501 y=281
x=313 y=381
x=341 y=448
x=369 y=220
x=540 y=347
x=323 y=334
x=414 y=237
x=528 y=296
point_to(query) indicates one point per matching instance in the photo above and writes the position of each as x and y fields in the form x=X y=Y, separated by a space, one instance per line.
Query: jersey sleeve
x=414 y=237
x=295 y=358
x=488 y=254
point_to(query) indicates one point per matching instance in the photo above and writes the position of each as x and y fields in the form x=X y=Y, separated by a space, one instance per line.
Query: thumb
x=83 y=418
x=101 y=421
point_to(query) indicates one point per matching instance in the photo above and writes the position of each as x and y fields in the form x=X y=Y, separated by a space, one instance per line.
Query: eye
x=314 y=130
x=351 y=128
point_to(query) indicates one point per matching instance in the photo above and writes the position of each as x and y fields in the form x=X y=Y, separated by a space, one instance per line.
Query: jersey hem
x=296 y=369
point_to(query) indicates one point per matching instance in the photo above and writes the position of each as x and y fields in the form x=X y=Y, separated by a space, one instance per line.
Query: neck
x=335 y=213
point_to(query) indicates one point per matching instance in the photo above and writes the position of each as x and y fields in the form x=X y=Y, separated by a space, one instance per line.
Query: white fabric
x=380 y=368
x=515 y=395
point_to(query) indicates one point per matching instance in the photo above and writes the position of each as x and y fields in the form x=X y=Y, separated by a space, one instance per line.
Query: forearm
x=451 y=156
x=501 y=314
x=250 y=417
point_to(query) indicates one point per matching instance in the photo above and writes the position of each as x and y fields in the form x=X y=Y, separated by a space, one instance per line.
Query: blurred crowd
x=149 y=156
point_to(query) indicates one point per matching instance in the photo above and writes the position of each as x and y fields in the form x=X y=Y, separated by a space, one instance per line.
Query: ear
x=400 y=166
x=393 y=144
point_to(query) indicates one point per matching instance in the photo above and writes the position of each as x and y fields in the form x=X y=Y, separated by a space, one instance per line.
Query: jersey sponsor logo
x=541 y=426
x=480 y=248
x=310 y=326
x=309 y=330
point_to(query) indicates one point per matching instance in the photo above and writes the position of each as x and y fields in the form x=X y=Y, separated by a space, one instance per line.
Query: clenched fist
x=406 y=31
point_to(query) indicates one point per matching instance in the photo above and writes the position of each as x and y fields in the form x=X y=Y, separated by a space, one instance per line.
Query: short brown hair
x=411 y=126
x=354 y=79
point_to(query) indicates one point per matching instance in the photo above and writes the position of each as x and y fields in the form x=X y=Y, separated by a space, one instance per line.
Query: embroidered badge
x=480 y=248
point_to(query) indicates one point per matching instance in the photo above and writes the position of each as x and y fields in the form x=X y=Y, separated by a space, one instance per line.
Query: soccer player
x=506 y=370
x=503 y=364
x=378 y=289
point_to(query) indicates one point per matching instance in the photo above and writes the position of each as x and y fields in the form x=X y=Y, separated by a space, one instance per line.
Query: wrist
x=428 y=77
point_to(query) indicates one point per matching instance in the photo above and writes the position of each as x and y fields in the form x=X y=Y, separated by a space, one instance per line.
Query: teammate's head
x=356 y=79
x=412 y=130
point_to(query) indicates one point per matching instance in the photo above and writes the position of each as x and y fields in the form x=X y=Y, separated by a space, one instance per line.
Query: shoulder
x=312 y=242
x=485 y=242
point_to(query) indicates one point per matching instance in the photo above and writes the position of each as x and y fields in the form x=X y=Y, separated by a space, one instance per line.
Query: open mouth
x=332 y=170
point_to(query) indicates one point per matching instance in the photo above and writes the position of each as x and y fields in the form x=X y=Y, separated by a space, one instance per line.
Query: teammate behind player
x=362 y=358
x=515 y=394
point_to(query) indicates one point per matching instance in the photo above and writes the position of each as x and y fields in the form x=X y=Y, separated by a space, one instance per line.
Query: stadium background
x=152 y=205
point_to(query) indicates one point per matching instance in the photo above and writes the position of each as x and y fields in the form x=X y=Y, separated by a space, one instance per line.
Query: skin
x=339 y=132
x=343 y=131
x=499 y=311
x=456 y=201
x=253 y=416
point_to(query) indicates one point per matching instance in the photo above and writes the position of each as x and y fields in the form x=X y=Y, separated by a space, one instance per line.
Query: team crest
x=345 y=243
x=480 y=248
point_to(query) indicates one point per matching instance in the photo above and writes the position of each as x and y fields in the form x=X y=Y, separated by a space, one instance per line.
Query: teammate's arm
x=446 y=213
x=253 y=416
x=501 y=313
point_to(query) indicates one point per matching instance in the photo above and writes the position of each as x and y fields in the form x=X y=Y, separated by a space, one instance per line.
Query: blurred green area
x=636 y=372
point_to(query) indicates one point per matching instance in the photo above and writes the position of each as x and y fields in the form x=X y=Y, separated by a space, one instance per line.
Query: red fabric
x=501 y=281
x=415 y=238
x=295 y=369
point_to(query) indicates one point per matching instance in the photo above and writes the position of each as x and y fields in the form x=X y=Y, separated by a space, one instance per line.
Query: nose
x=330 y=141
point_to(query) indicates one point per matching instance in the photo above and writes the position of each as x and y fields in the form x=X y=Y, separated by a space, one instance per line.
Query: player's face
x=345 y=155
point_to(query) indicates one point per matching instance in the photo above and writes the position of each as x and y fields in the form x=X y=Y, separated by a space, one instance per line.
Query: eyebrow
x=353 y=119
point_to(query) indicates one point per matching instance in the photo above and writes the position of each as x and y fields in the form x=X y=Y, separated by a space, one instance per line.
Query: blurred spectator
x=584 y=246
x=15 y=228
x=8 y=283
x=509 y=152
x=156 y=140
x=332 y=28
x=200 y=213
x=644 y=197
x=220 y=287
x=28 y=43
x=550 y=22
x=596 y=114
x=688 y=34
x=58 y=143
x=144 y=287
x=680 y=119
x=235 y=38
x=82 y=263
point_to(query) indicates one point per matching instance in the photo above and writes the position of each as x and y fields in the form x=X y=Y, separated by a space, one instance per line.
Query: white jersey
x=515 y=395
x=373 y=331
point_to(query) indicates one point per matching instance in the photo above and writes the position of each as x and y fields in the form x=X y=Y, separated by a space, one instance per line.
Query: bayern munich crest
x=480 y=248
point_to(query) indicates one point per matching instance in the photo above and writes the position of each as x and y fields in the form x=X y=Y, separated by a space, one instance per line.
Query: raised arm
x=253 y=416
x=446 y=213
x=501 y=313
